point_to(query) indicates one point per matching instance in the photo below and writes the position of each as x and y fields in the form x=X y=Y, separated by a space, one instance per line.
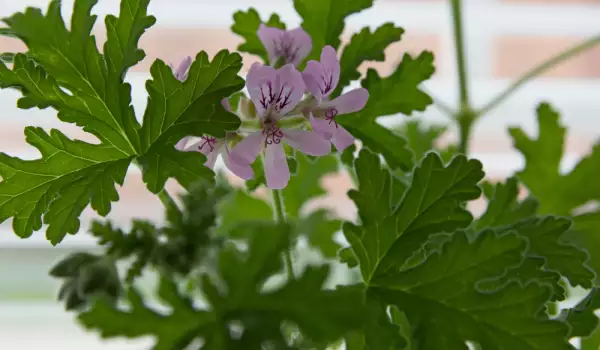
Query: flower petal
x=351 y=101
x=312 y=78
x=180 y=145
x=322 y=127
x=331 y=68
x=302 y=45
x=261 y=82
x=290 y=89
x=307 y=142
x=277 y=172
x=342 y=139
x=246 y=151
x=242 y=170
x=225 y=103
x=270 y=37
x=181 y=71
x=210 y=151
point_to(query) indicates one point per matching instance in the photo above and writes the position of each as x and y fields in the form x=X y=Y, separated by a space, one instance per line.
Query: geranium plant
x=421 y=271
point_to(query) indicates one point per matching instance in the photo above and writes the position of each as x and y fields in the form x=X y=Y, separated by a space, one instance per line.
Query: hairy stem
x=280 y=217
x=563 y=56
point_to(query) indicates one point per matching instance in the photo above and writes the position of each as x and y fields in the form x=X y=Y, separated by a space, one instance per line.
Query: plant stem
x=460 y=54
x=280 y=217
x=167 y=200
x=565 y=55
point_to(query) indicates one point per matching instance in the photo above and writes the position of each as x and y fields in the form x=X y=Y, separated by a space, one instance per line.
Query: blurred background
x=504 y=39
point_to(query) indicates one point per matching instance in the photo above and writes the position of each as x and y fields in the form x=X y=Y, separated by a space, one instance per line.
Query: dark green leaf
x=504 y=207
x=7 y=57
x=432 y=204
x=320 y=229
x=581 y=318
x=246 y=24
x=445 y=307
x=363 y=47
x=324 y=20
x=177 y=109
x=545 y=236
x=586 y=235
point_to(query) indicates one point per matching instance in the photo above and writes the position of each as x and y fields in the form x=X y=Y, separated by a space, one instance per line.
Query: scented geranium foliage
x=414 y=269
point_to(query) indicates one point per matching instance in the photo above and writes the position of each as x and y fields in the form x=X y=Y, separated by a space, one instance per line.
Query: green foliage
x=422 y=139
x=246 y=24
x=504 y=207
x=237 y=296
x=64 y=70
x=324 y=20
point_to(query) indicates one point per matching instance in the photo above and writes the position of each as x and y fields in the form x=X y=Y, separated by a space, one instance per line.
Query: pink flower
x=321 y=78
x=210 y=146
x=275 y=93
x=290 y=45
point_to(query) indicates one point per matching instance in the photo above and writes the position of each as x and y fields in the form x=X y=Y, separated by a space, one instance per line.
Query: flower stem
x=280 y=218
x=534 y=72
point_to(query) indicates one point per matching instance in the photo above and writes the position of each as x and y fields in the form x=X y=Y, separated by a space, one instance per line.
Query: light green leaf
x=445 y=307
x=231 y=217
x=422 y=139
x=365 y=46
x=177 y=109
x=320 y=229
x=557 y=193
x=391 y=233
x=504 y=207
x=324 y=20
x=246 y=24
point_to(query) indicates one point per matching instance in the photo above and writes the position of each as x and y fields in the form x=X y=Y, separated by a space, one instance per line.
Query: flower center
x=273 y=134
x=285 y=47
x=208 y=141
x=327 y=82
x=330 y=116
x=274 y=101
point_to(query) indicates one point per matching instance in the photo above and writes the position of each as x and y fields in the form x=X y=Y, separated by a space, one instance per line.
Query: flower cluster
x=281 y=91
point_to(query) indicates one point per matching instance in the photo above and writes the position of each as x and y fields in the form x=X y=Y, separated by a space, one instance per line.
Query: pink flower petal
x=246 y=151
x=180 y=145
x=277 y=172
x=290 y=88
x=312 y=78
x=210 y=147
x=301 y=45
x=225 y=103
x=342 y=139
x=331 y=68
x=261 y=82
x=307 y=142
x=270 y=38
x=242 y=170
x=322 y=127
x=351 y=101
x=181 y=71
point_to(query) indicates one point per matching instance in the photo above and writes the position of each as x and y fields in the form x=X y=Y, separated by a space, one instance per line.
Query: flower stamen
x=208 y=141
x=330 y=116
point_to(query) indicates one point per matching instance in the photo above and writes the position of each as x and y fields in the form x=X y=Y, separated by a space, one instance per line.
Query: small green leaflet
x=365 y=46
x=391 y=232
x=246 y=24
x=557 y=193
x=446 y=308
x=324 y=20
x=321 y=315
x=504 y=207
x=64 y=70
x=397 y=93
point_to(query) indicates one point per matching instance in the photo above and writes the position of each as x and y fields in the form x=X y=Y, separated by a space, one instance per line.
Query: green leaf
x=306 y=184
x=545 y=236
x=238 y=297
x=557 y=193
x=446 y=308
x=324 y=20
x=7 y=57
x=581 y=318
x=584 y=234
x=422 y=138
x=246 y=24
x=231 y=217
x=504 y=207
x=320 y=229
x=397 y=93
x=177 y=109
x=363 y=47
x=70 y=175
x=8 y=32
x=98 y=99
x=391 y=233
